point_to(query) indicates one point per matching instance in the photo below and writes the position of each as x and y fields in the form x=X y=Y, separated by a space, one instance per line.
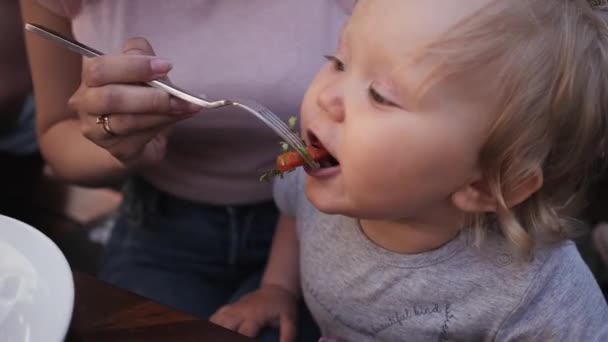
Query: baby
x=465 y=133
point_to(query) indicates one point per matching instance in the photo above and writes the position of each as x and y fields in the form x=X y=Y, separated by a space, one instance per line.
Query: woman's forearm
x=56 y=74
x=75 y=159
x=283 y=267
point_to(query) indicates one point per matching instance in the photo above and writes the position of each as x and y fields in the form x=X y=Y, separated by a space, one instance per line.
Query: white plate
x=36 y=285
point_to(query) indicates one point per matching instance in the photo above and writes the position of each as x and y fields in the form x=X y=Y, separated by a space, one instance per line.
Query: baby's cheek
x=307 y=108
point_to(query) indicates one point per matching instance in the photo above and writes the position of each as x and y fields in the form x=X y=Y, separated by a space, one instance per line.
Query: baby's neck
x=407 y=238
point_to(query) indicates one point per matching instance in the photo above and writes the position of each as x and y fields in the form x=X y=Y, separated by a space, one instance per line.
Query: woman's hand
x=270 y=305
x=139 y=116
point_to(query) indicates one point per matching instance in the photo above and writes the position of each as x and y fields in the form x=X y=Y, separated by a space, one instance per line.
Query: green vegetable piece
x=270 y=174
x=292 y=123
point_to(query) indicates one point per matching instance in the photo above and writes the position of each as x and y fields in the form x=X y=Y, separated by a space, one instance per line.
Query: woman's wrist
x=65 y=148
x=293 y=291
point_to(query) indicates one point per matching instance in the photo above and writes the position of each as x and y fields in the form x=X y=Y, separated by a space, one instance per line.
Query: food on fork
x=289 y=160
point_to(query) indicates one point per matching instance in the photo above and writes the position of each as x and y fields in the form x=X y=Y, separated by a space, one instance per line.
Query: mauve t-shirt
x=265 y=50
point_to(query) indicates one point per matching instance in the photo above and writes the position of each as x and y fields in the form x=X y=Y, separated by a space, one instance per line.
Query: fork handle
x=88 y=51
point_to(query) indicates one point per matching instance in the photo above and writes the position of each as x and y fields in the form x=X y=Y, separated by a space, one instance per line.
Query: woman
x=195 y=228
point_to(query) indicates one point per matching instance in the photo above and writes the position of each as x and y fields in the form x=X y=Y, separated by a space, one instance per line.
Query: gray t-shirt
x=358 y=291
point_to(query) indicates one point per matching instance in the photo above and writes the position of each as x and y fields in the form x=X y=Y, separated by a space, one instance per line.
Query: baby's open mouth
x=328 y=160
x=289 y=160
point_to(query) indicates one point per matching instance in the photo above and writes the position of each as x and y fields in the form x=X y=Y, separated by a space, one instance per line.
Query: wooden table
x=105 y=313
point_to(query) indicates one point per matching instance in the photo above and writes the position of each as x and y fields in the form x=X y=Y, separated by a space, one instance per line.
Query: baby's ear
x=476 y=197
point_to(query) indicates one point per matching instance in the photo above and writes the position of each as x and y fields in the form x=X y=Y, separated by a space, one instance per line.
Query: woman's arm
x=56 y=74
x=283 y=267
x=275 y=302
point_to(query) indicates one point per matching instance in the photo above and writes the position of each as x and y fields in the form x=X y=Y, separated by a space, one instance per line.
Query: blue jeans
x=190 y=256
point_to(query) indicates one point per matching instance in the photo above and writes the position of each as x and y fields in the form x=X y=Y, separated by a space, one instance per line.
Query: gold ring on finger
x=104 y=121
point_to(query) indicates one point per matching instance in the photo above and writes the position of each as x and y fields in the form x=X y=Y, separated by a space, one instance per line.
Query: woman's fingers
x=287 y=328
x=249 y=328
x=225 y=318
x=110 y=69
x=125 y=125
x=137 y=116
x=131 y=149
x=122 y=98
x=138 y=63
x=138 y=46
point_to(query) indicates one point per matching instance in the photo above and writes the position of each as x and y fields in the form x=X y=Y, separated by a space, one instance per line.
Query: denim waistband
x=146 y=207
x=141 y=196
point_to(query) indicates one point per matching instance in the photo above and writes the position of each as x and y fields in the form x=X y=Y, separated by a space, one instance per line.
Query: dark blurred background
x=77 y=219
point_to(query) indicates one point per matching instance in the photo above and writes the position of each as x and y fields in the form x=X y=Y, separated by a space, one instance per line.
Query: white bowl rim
x=62 y=263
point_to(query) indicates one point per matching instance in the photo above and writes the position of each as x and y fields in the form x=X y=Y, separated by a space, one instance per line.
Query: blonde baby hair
x=548 y=62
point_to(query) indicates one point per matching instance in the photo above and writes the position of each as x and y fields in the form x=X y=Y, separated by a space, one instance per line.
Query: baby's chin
x=325 y=201
x=331 y=204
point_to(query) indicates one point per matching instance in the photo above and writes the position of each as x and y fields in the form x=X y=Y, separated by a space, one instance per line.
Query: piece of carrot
x=292 y=159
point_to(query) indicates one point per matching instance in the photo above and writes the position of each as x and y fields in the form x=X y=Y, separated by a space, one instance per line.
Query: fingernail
x=182 y=107
x=160 y=66
x=134 y=51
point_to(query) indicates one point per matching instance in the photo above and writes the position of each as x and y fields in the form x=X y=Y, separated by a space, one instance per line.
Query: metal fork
x=262 y=113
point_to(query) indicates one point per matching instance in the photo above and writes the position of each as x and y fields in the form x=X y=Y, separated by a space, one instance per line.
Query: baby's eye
x=337 y=63
x=376 y=97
